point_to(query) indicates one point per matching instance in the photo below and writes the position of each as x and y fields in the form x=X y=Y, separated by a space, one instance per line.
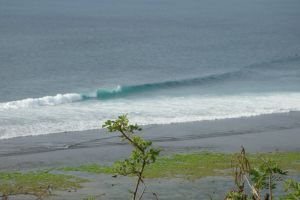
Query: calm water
x=71 y=64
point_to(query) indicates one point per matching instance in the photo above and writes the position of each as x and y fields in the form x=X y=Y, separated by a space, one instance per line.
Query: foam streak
x=43 y=101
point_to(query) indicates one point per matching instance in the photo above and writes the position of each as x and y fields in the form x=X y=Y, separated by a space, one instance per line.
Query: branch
x=143 y=191
x=139 y=180
x=131 y=141
x=254 y=191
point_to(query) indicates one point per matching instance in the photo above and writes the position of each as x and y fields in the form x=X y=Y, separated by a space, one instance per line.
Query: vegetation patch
x=90 y=168
x=39 y=184
x=198 y=165
x=190 y=165
x=214 y=164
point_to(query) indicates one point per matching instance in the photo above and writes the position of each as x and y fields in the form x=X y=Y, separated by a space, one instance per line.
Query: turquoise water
x=69 y=65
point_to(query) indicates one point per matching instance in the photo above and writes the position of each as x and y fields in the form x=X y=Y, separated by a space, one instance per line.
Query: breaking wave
x=117 y=92
x=246 y=73
x=43 y=101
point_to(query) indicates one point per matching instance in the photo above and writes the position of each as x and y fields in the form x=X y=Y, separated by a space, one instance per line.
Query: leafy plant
x=235 y=195
x=265 y=176
x=142 y=155
x=292 y=189
x=241 y=169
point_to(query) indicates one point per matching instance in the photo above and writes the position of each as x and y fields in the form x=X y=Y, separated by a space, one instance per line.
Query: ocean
x=69 y=65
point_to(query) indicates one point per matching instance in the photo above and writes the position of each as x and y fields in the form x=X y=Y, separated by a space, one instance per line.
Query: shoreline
x=264 y=133
x=54 y=153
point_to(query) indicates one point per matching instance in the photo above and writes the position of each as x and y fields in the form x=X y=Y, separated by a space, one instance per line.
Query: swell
x=122 y=91
x=119 y=91
x=244 y=73
x=248 y=72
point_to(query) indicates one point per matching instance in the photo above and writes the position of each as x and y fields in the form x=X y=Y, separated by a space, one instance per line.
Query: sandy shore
x=275 y=132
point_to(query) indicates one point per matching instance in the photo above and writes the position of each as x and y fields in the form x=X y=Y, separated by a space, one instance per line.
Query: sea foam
x=43 y=101
x=86 y=115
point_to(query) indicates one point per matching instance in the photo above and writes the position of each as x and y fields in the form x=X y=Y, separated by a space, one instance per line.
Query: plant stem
x=139 y=180
x=131 y=141
x=270 y=186
x=253 y=189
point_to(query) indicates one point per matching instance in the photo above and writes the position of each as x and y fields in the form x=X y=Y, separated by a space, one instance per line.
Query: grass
x=190 y=166
x=198 y=165
x=90 y=168
x=89 y=198
x=39 y=184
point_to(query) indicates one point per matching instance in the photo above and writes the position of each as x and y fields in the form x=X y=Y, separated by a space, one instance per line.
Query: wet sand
x=275 y=132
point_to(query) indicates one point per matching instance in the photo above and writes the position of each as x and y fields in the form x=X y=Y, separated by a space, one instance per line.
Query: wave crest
x=248 y=72
x=123 y=91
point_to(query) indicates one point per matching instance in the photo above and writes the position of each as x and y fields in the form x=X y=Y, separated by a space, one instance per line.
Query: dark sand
x=276 y=132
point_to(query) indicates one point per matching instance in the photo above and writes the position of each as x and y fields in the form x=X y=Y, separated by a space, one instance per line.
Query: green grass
x=89 y=198
x=198 y=165
x=90 y=168
x=190 y=165
x=38 y=184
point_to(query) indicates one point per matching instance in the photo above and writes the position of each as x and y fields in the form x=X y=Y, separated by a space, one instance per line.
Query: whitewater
x=72 y=112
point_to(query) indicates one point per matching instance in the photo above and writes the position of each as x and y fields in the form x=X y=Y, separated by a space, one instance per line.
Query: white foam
x=43 y=101
x=157 y=110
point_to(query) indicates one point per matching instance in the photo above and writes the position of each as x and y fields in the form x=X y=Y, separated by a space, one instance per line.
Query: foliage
x=39 y=184
x=265 y=176
x=241 y=167
x=235 y=195
x=142 y=155
x=292 y=189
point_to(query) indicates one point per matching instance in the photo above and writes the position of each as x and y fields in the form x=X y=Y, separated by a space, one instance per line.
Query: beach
x=266 y=133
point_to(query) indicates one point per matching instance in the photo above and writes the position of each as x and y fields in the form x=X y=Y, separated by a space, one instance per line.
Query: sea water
x=69 y=65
